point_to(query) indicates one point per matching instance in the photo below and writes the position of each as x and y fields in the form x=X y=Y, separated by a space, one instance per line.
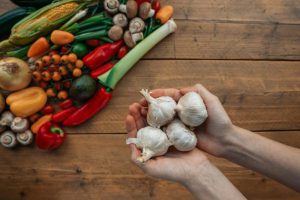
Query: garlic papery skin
x=191 y=109
x=160 y=110
x=180 y=136
x=152 y=141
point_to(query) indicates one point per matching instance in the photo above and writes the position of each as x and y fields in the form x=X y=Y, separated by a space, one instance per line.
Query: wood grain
x=98 y=167
x=257 y=95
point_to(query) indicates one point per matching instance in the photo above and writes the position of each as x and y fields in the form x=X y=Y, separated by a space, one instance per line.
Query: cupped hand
x=214 y=133
x=174 y=166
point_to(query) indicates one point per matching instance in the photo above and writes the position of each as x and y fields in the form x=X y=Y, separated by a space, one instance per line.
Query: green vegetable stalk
x=111 y=78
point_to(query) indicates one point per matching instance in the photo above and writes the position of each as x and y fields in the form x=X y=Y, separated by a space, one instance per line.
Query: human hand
x=215 y=132
x=174 y=166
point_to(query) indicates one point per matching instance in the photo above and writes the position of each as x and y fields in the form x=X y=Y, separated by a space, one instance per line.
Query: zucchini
x=32 y=3
x=10 y=18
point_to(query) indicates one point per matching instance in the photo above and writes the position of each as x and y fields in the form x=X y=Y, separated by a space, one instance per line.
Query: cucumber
x=10 y=18
x=32 y=3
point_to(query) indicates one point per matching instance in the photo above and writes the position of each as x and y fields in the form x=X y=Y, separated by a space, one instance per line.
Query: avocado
x=83 y=88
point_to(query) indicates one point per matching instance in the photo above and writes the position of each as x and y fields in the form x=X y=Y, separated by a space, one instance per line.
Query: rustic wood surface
x=247 y=52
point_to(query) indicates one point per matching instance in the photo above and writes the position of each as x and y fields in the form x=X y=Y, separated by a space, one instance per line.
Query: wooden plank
x=257 y=95
x=210 y=40
x=98 y=167
x=259 y=11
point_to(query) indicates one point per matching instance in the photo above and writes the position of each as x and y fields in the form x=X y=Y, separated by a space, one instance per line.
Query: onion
x=14 y=74
x=2 y=103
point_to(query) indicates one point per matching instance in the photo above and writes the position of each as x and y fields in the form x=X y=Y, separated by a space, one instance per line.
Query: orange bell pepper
x=27 y=102
x=40 y=122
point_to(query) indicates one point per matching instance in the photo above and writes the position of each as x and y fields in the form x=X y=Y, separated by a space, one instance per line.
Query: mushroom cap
x=19 y=125
x=6 y=118
x=121 y=20
x=136 y=25
x=144 y=10
x=8 y=139
x=111 y=6
x=25 y=138
x=131 y=8
x=128 y=40
x=115 y=33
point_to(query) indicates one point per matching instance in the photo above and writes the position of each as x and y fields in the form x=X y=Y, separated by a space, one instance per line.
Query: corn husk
x=42 y=22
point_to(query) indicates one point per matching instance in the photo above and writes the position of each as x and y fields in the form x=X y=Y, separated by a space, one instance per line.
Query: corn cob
x=42 y=22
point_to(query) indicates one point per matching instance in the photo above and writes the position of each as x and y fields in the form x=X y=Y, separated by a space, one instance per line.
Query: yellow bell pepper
x=26 y=102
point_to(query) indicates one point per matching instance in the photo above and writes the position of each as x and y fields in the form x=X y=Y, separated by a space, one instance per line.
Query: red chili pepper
x=63 y=114
x=101 y=70
x=102 y=54
x=93 y=106
x=156 y=5
x=50 y=136
x=122 y=52
x=64 y=49
x=48 y=109
x=93 y=42
x=139 y=2
x=68 y=103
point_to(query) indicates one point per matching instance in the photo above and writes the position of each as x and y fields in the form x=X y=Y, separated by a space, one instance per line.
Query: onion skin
x=14 y=74
x=2 y=103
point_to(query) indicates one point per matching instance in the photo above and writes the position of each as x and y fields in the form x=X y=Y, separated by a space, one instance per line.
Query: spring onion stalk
x=92 y=35
x=111 y=78
x=19 y=53
x=97 y=28
x=81 y=14
x=106 y=39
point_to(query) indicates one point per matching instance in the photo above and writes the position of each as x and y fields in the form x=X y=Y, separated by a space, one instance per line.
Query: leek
x=111 y=78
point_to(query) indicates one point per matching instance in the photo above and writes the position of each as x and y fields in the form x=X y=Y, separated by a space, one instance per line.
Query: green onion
x=106 y=39
x=91 y=35
x=20 y=53
x=125 y=64
x=81 y=14
x=93 y=29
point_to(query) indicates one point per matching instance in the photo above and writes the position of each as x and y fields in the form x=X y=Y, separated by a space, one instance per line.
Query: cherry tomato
x=50 y=92
x=58 y=86
x=77 y=72
x=34 y=117
x=43 y=84
x=46 y=76
x=48 y=109
x=55 y=59
x=63 y=71
x=72 y=57
x=62 y=95
x=37 y=76
x=53 y=52
x=79 y=64
x=66 y=104
x=93 y=42
x=67 y=83
x=122 y=52
x=46 y=60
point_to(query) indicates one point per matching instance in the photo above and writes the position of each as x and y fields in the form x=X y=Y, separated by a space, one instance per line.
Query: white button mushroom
x=8 y=139
x=145 y=11
x=131 y=8
x=25 y=138
x=132 y=39
x=136 y=25
x=115 y=33
x=6 y=118
x=111 y=6
x=120 y=20
x=19 y=125
x=152 y=141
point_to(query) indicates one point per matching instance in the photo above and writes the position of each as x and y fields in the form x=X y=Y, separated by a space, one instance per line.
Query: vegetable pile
x=61 y=60
x=162 y=114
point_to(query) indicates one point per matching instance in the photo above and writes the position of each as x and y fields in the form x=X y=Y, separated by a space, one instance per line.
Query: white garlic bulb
x=152 y=141
x=160 y=111
x=191 y=109
x=180 y=136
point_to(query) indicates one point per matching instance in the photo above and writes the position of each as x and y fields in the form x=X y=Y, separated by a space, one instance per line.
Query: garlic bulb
x=180 y=136
x=152 y=141
x=161 y=110
x=191 y=109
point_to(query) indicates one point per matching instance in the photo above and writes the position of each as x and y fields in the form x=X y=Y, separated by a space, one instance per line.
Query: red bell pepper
x=122 y=52
x=102 y=55
x=63 y=114
x=156 y=5
x=66 y=104
x=93 y=106
x=139 y=2
x=101 y=70
x=50 y=136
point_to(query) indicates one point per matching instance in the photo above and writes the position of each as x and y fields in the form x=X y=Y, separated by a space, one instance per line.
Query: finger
x=130 y=126
x=135 y=111
x=201 y=90
x=171 y=92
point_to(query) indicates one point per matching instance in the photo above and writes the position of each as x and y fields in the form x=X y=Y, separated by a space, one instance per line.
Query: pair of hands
x=181 y=166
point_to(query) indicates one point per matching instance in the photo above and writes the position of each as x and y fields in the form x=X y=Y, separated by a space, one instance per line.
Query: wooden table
x=247 y=52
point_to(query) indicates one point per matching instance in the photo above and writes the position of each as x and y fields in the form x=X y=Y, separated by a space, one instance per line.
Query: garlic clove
x=180 y=136
x=161 y=110
x=191 y=109
x=152 y=141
